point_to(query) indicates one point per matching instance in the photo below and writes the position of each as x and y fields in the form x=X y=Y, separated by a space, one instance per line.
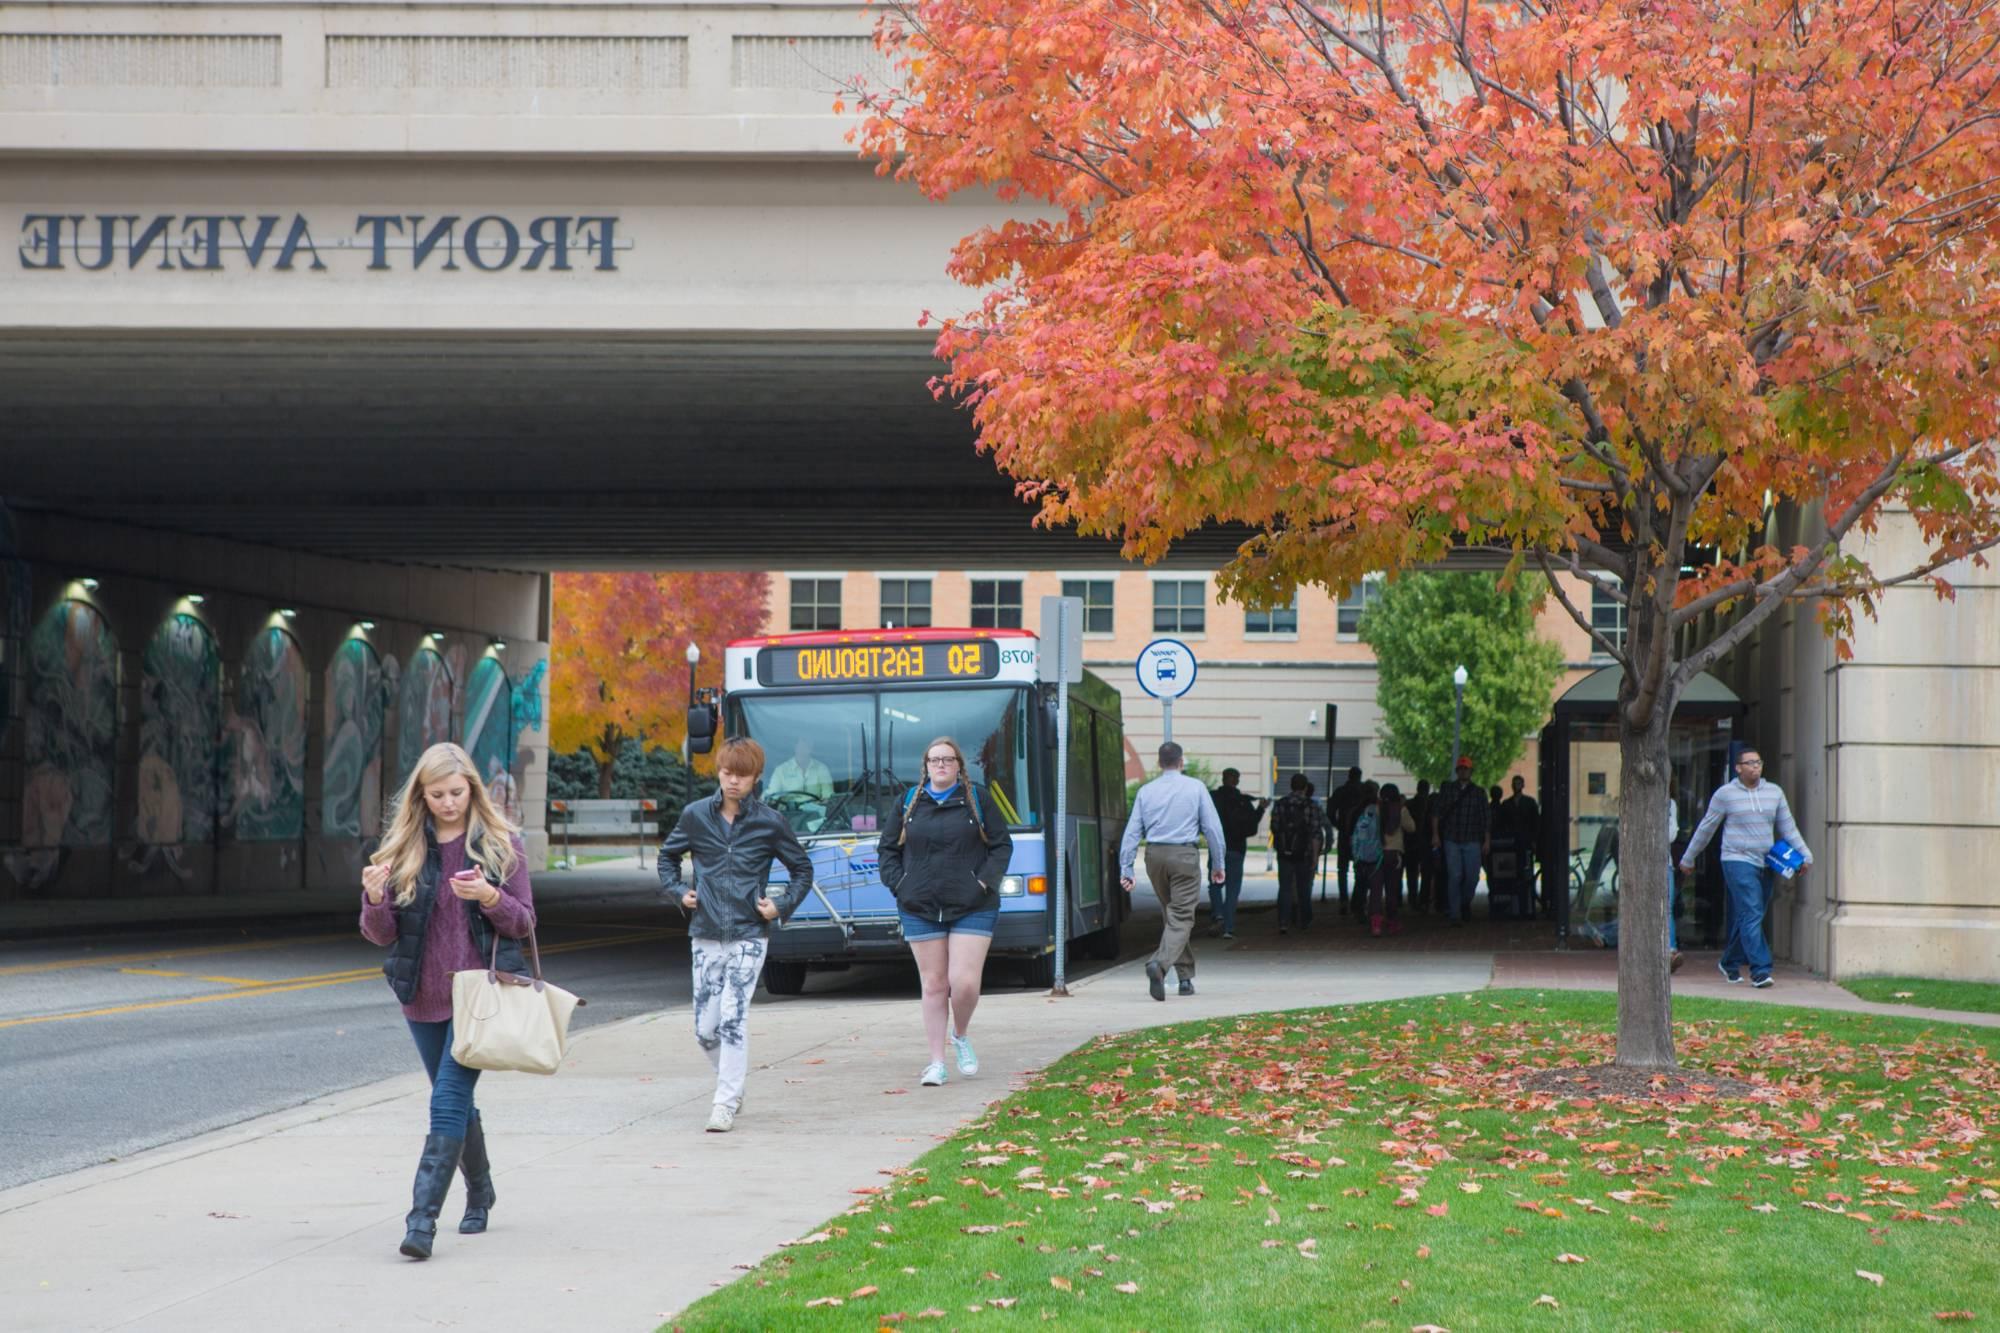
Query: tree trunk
x=608 y=746
x=1645 y=995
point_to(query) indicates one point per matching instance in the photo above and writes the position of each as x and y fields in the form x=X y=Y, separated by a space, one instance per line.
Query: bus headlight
x=1010 y=886
x=1013 y=886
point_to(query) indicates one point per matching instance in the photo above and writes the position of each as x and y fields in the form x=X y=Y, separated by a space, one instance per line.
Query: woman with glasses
x=943 y=851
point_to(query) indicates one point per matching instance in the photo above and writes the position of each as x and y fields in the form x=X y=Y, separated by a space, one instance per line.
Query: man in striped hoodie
x=1753 y=815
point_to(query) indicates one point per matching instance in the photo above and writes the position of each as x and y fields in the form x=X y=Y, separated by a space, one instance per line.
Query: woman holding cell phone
x=450 y=878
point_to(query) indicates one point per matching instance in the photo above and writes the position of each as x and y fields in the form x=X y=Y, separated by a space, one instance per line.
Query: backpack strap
x=978 y=815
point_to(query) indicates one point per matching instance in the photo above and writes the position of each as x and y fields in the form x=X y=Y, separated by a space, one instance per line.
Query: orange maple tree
x=1686 y=297
x=618 y=654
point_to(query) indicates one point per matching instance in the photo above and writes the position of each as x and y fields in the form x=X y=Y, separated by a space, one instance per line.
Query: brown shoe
x=1674 y=962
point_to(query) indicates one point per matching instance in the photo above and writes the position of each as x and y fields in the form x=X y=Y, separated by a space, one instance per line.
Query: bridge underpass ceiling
x=525 y=454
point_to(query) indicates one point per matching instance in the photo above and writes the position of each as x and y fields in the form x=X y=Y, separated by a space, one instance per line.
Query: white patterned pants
x=725 y=974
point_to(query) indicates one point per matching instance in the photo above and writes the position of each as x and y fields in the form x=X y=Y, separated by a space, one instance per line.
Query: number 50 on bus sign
x=1166 y=668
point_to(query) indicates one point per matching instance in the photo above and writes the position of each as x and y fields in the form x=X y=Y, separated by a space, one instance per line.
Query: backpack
x=1368 y=835
x=1294 y=821
x=971 y=801
x=1240 y=816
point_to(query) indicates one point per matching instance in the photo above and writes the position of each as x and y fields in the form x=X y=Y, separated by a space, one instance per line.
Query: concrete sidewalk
x=615 y=1209
x=1597 y=969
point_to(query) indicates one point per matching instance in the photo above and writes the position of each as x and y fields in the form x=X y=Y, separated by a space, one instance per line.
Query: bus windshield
x=838 y=761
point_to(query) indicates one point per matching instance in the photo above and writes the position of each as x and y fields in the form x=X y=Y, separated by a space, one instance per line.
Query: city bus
x=844 y=717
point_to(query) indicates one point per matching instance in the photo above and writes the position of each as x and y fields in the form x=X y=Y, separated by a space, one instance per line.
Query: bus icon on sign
x=1166 y=668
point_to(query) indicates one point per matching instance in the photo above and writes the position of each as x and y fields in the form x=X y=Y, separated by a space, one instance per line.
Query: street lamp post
x=1458 y=679
x=687 y=752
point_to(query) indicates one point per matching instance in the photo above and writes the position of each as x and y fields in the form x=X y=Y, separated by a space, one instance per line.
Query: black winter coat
x=943 y=870
x=405 y=964
x=732 y=867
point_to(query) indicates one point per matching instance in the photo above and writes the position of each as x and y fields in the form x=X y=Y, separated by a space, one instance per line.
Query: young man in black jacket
x=1240 y=813
x=733 y=837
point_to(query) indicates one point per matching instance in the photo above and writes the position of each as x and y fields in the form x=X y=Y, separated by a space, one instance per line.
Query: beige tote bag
x=504 y=1021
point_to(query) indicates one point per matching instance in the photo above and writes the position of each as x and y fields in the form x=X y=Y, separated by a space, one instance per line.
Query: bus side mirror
x=701 y=728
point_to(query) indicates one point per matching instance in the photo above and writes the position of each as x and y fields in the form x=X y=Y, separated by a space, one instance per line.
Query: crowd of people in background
x=1379 y=853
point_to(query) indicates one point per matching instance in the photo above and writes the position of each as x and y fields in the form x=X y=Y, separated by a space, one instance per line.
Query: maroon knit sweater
x=448 y=945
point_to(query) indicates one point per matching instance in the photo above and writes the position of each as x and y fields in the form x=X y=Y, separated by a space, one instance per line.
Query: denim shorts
x=972 y=923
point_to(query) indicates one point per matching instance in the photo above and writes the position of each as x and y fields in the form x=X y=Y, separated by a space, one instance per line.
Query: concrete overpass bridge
x=328 y=329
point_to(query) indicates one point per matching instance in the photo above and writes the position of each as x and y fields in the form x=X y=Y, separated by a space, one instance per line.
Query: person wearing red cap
x=1464 y=831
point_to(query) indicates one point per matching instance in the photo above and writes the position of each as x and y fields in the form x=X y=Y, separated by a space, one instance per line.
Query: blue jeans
x=1222 y=897
x=1749 y=889
x=451 y=1082
x=1461 y=877
x=1295 y=891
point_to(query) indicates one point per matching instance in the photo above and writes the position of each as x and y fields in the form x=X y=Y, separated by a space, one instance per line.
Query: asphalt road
x=114 y=1043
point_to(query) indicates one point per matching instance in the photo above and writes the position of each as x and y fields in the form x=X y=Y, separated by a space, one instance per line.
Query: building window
x=906 y=603
x=815 y=603
x=1355 y=603
x=996 y=603
x=1180 y=606
x=1308 y=755
x=1096 y=596
x=1284 y=620
x=1607 y=613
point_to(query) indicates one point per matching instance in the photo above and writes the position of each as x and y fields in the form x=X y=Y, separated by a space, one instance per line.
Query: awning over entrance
x=1596 y=695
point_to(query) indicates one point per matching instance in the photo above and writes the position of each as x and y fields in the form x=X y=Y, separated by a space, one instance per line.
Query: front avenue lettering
x=209 y=242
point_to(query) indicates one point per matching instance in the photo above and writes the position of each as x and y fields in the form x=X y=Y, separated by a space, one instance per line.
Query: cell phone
x=474 y=873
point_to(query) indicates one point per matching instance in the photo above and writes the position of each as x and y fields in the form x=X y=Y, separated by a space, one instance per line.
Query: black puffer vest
x=405 y=963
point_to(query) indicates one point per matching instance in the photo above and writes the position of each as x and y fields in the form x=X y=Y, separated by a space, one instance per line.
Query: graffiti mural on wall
x=528 y=700
x=266 y=742
x=72 y=730
x=356 y=700
x=14 y=598
x=180 y=693
x=489 y=732
x=423 y=710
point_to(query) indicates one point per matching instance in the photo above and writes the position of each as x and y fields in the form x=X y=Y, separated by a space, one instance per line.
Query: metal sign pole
x=1166 y=718
x=1059 y=828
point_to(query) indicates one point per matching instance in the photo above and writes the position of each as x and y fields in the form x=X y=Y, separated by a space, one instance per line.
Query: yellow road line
x=192 y=951
x=283 y=985
x=185 y=999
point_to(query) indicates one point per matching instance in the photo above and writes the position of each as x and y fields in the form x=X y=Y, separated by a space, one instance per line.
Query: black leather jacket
x=732 y=866
x=943 y=869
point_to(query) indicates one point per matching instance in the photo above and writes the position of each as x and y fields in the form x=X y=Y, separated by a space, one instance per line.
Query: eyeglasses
x=1749 y=763
x=949 y=760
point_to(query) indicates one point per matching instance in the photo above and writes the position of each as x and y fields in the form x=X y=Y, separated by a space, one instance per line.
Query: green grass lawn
x=1374 y=1167
x=1977 y=997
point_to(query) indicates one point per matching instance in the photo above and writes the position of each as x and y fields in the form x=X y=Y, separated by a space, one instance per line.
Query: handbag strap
x=534 y=954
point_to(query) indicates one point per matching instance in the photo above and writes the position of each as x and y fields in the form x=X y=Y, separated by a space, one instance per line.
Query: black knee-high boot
x=434 y=1172
x=478 y=1169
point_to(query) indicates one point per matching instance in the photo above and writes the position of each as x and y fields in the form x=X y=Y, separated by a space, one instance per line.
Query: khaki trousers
x=1176 y=876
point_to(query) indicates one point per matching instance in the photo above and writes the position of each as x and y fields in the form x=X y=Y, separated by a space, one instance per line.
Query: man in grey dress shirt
x=1171 y=812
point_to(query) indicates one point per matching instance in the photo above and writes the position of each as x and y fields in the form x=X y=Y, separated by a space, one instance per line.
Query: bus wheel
x=784 y=978
x=1039 y=972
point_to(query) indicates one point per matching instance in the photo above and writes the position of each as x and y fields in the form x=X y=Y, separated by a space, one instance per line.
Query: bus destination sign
x=867 y=663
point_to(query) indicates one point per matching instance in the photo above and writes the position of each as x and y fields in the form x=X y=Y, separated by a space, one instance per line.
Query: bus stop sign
x=1166 y=668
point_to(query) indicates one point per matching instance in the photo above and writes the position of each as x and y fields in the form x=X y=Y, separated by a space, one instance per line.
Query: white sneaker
x=934 y=1075
x=721 y=1120
x=968 y=1063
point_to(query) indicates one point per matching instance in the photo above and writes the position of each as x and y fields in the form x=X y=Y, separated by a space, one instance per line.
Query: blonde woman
x=450 y=876
x=943 y=852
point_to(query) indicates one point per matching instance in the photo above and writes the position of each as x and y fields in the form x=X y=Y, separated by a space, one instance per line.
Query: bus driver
x=801 y=773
